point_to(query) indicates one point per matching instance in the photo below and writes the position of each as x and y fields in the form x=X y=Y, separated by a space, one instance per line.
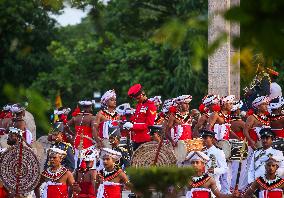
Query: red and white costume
x=271 y=187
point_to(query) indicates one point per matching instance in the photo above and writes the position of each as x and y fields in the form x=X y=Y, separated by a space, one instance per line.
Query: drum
x=236 y=147
x=226 y=147
x=278 y=144
x=196 y=144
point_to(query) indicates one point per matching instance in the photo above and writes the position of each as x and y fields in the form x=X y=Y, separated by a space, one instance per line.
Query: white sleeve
x=280 y=170
x=251 y=169
x=222 y=164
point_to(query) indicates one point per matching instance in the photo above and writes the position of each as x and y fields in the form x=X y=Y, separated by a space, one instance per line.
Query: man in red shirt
x=144 y=116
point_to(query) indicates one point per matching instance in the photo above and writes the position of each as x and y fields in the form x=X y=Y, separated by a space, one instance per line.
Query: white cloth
x=221 y=164
x=221 y=130
x=101 y=189
x=243 y=180
x=189 y=193
x=257 y=166
x=275 y=90
x=128 y=125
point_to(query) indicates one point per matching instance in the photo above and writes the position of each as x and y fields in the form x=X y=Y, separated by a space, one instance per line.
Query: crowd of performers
x=89 y=153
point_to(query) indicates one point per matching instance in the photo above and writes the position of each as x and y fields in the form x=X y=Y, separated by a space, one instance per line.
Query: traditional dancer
x=106 y=116
x=86 y=135
x=217 y=164
x=209 y=105
x=269 y=185
x=57 y=178
x=19 y=122
x=256 y=167
x=276 y=116
x=257 y=120
x=85 y=176
x=60 y=115
x=144 y=116
x=201 y=184
x=178 y=126
x=5 y=118
x=111 y=178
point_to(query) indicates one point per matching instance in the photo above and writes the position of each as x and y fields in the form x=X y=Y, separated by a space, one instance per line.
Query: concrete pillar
x=223 y=75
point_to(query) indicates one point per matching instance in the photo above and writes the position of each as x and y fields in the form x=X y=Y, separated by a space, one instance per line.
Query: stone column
x=223 y=75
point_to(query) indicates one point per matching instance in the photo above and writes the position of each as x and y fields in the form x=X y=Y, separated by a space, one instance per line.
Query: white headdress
x=85 y=102
x=167 y=104
x=197 y=155
x=237 y=105
x=183 y=98
x=275 y=158
x=16 y=131
x=157 y=100
x=56 y=150
x=276 y=103
x=210 y=99
x=65 y=111
x=90 y=155
x=228 y=99
x=107 y=95
x=260 y=100
x=111 y=153
x=7 y=107
x=17 y=108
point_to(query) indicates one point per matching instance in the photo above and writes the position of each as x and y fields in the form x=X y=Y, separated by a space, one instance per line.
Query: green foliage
x=37 y=104
x=261 y=26
x=158 y=178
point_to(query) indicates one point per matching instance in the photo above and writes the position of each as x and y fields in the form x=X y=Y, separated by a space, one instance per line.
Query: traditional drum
x=232 y=149
x=145 y=155
x=278 y=144
x=19 y=169
x=236 y=150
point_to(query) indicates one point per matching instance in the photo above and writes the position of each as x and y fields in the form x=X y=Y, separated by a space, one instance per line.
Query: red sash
x=112 y=191
x=201 y=194
x=57 y=191
x=87 y=131
x=186 y=133
x=253 y=134
x=87 y=190
x=240 y=134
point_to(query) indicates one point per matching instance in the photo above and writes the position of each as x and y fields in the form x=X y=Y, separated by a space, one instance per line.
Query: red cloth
x=87 y=190
x=3 y=192
x=278 y=133
x=201 y=194
x=144 y=116
x=186 y=133
x=112 y=191
x=57 y=191
x=253 y=135
x=87 y=131
x=273 y=194
x=240 y=134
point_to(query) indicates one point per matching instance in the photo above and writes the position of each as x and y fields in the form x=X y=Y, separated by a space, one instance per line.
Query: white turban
x=197 y=155
x=210 y=99
x=260 y=100
x=108 y=95
x=90 y=155
x=16 y=108
x=167 y=104
x=276 y=103
x=7 y=107
x=228 y=99
x=157 y=100
x=85 y=102
x=277 y=159
x=65 y=111
x=183 y=98
x=56 y=151
x=237 y=105
x=111 y=153
x=16 y=130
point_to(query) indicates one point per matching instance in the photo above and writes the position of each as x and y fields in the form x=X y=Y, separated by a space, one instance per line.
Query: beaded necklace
x=270 y=184
x=226 y=117
x=110 y=115
x=274 y=117
x=186 y=118
x=109 y=175
x=263 y=119
x=199 y=181
x=54 y=175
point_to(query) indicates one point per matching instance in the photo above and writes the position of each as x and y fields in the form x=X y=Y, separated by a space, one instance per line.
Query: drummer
x=237 y=126
x=216 y=165
x=276 y=116
x=257 y=167
x=180 y=121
